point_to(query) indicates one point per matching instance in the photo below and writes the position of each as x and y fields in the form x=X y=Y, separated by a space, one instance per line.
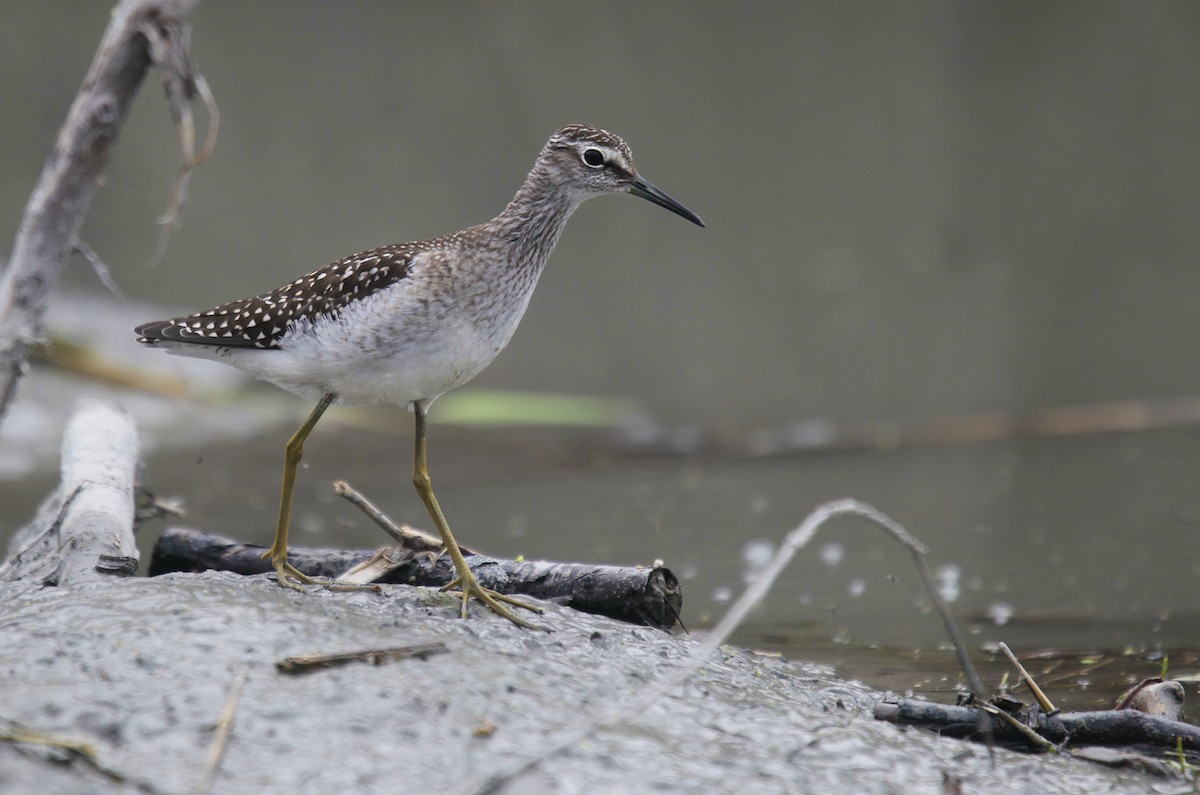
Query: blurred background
x=915 y=211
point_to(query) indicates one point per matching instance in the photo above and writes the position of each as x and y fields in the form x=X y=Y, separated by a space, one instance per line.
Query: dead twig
x=408 y=537
x=216 y=751
x=1045 y=703
x=1034 y=739
x=99 y=266
x=149 y=506
x=21 y=734
x=309 y=662
x=170 y=48
x=71 y=750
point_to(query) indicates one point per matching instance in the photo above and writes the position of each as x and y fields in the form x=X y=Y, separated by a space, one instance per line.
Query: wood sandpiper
x=406 y=323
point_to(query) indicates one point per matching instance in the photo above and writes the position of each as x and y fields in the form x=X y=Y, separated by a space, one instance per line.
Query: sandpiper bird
x=406 y=323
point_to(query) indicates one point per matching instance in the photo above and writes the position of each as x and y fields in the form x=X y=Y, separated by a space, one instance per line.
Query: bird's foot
x=468 y=587
x=291 y=577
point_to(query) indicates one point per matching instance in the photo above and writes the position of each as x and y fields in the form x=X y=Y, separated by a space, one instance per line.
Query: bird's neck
x=533 y=221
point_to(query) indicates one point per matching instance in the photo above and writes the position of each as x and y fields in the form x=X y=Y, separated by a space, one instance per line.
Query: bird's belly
x=419 y=370
x=399 y=361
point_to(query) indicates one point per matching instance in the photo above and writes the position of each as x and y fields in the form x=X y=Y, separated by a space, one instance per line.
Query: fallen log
x=650 y=596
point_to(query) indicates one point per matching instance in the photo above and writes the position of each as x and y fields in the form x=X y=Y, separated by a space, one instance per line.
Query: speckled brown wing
x=264 y=321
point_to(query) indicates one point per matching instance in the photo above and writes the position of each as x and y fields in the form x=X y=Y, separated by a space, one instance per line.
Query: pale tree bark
x=84 y=530
x=141 y=34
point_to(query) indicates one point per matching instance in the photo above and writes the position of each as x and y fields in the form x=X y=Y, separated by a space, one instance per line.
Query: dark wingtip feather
x=149 y=333
x=170 y=331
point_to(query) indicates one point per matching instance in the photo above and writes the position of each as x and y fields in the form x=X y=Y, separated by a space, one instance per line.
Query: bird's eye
x=593 y=157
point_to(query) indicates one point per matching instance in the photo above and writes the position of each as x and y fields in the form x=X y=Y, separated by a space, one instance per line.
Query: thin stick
x=308 y=662
x=1043 y=702
x=170 y=50
x=1028 y=733
x=99 y=266
x=33 y=737
x=359 y=500
x=960 y=648
x=224 y=728
x=79 y=750
x=407 y=537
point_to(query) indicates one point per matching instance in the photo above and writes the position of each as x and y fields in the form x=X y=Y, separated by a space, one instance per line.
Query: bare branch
x=171 y=51
x=54 y=214
x=103 y=272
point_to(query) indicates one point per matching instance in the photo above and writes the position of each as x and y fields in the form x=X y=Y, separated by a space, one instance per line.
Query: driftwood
x=84 y=529
x=1116 y=727
x=140 y=34
x=640 y=595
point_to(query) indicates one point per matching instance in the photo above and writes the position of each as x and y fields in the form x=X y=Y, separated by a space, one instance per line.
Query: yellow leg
x=465 y=581
x=288 y=575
